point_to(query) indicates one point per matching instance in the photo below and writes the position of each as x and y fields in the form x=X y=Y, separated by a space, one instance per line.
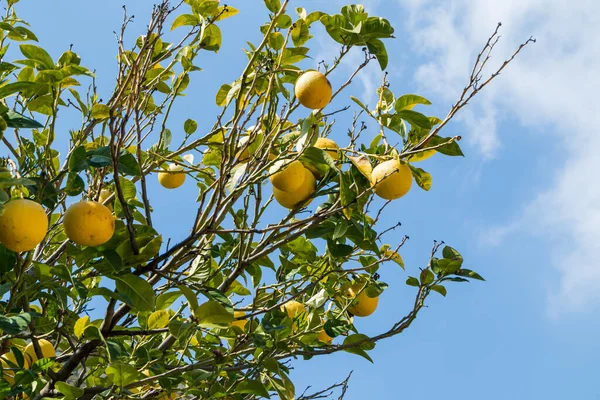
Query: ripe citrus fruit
x=293 y=308
x=89 y=223
x=240 y=323
x=294 y=199
x=23 y=225
x=324 y=337
x=9 y=362
x=392 y=179
x=105 y=194
x=313 y=90
x=329 y=146
x=47 y=351
x=424 y=155
x=287 y=176
x=173 y=178
x=167 y=396
x=363 y=305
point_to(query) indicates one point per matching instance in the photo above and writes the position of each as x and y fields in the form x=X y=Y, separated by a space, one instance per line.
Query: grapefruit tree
x=221 y=313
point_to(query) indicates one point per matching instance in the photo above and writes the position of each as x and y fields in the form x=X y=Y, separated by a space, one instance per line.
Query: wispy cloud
x=552 y=87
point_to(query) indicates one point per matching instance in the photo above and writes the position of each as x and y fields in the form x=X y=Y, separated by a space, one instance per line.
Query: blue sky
x=523 y=207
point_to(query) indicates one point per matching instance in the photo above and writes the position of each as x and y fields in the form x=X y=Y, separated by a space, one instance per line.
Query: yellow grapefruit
x=287 y=176
x=329 y=146
x=392 y=179
x=47 y=351
x=23 y=225
x=363 y=305
x=240 y=323
x=297 y=198
x=313 y=90
x=173 y=178
x=89 y=223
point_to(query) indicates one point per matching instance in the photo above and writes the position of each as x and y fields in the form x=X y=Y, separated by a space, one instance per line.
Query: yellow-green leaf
x=185 y=19
x=212 y=314
x=392 y=255
x=422 y=177
x=226 y=12
x=363 y=164
x=80 y=326
x=408 y=101
x=158 y=319
x=100 y=111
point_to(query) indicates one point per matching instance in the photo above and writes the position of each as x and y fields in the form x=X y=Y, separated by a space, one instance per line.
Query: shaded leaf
x=139 y=292
x=121 y=374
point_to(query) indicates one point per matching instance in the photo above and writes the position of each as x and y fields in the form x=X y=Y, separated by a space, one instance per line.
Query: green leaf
x=470 y=274
x=78 y=160
x=292 y=55
x=440 y=289
x=100 y=111
x=212 y=38
x=427 y=277
x=158 y=319
x=178 y=328
x=75 y=185
x=128 y=165
x=190 y=297
x=15 y=87
x=392 y=255
x=238 y=289
x=360 y=349
x=335 y=327
x=300 y=33
x=376 y=27
x=347 y=195
x=249 y=386
x=451 y=253
x=128 y=188
x=273 y=5
x=357 y=101
x=422 y=178
x=319 y=159
x=212 y=314
x=16 y=120
x=165 y=300
x=377 y=48
x=80 y=326
x=222 y=98
x=139 y=292
x=70 y=392
x=15 y=324
x=451 y=148
x=185 y=19
x=8 y=259
x=408 y=101
x=414 y=118
x=42 y=104
x=284 y=21
x=121 y=374
x=190 y=126
x=276 y=40
x=412 y=281
x=37 y=54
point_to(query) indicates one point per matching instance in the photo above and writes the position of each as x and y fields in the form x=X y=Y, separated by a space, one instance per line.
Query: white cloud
x=553 y=86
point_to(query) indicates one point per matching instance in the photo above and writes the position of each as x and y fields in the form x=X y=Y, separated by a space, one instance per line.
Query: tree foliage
x=205 y=317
